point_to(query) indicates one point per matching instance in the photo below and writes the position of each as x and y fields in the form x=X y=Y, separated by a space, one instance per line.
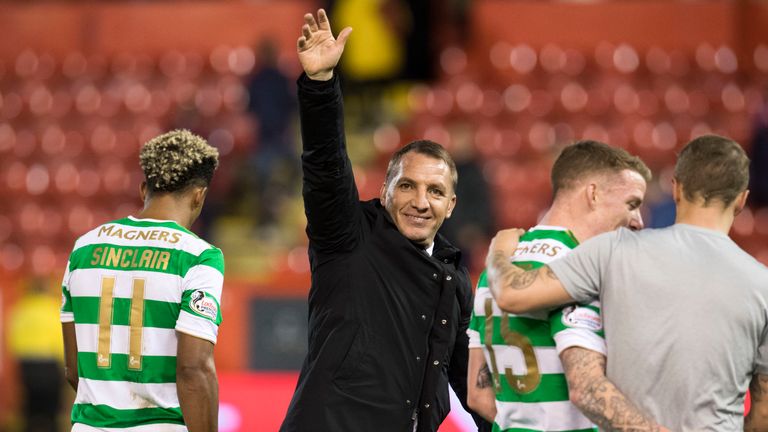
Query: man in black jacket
x=389 y=303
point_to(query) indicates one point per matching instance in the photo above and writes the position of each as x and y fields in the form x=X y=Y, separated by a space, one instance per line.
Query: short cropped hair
x=714 y=168
x=176 y=160
x=425 y=147
x=593 y=157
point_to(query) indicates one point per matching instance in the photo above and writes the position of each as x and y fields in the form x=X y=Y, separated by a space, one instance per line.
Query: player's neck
x=167 y=207
x=712 y=217
x=563 y=215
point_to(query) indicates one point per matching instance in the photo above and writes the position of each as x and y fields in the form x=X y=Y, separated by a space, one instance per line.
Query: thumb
x=342 y=39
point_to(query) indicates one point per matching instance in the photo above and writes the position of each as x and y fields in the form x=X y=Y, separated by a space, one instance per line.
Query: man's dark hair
x=712 y=167
x=425 y=147
x=593 y=157
x=176 y=160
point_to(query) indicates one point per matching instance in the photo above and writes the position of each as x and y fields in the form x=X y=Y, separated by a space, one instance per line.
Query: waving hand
x=318 y=51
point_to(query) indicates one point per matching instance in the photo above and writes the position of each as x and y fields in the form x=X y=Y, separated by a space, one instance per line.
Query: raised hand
x=318 y=51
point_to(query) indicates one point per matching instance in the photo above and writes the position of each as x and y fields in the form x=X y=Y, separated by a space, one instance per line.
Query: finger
x=310 y=20
x=342 y=39
x=301 y=43
x=305 y=31
x=323 y=20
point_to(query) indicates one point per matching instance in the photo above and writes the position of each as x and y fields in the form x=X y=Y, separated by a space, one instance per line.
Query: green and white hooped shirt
x=521 y=351
x=129 y=286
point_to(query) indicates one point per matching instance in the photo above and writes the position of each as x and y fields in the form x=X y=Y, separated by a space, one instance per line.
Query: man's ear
x=451 y=206
x=741 y=202
x=143 y=190
x=383 y=194
x=677 y=190
x=590 y=194
x=198 y=197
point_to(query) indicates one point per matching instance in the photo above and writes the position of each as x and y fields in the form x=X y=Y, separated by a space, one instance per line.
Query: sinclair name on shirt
x=112 y=256
x=537 y=247
x=129 y=234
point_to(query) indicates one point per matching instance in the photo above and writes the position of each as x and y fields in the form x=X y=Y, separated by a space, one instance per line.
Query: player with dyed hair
x=141 y=303
x=521 y=365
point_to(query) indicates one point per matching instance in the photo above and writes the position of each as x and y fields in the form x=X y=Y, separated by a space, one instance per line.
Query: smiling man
x=389 y=304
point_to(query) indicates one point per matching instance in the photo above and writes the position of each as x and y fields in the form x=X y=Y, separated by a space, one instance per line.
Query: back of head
x=712 y=167
x=589 y=157
x=176 y=160
x=425 y=147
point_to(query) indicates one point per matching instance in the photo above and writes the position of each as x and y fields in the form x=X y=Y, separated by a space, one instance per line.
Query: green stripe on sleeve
x=103 y=416
x=66 y=301
x=154 y=369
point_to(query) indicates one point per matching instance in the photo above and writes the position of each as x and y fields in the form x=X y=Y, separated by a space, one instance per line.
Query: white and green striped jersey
x=130 y=285
x=521 y=351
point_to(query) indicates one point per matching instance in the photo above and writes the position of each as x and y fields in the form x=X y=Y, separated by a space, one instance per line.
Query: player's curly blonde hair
x=177 y=159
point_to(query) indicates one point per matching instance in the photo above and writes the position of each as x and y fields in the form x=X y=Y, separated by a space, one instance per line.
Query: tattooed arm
x=757 y=420
x=480 y=394
x=516 y=290
x=597 y=397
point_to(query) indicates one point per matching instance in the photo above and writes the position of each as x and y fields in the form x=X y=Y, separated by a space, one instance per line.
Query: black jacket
x=387 y=322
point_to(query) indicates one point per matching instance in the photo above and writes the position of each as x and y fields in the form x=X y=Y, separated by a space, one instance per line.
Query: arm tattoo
x=597 y=397
x=500 y=268
x=550 y=274
x=504 y=277
x=484 y=378
x=757 y=420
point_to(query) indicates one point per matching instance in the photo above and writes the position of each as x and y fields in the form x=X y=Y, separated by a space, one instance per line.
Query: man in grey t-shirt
x=685 y=309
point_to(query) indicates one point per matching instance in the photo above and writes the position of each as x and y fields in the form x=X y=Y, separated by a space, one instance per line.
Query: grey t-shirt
x=686 y=315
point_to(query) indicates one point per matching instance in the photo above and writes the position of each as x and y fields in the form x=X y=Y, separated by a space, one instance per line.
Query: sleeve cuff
x=312 y=86
x=579 y=338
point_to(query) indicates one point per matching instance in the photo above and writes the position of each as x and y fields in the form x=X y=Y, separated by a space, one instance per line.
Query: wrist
x=321 y=76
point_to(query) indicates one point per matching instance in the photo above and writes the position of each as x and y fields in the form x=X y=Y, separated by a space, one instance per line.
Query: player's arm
x=516 y=290
x=480 y=394
x=70 y=353
x=197 y=386
x=67 y=316
x=459 y=363
x=757 y=420
x=329 y=191
x=597 y=397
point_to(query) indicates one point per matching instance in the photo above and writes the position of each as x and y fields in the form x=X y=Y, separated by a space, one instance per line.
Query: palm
x=319 y=51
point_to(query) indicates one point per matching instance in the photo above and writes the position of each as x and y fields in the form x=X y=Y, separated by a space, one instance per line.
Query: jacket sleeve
x=457 y=370
x=331 y=201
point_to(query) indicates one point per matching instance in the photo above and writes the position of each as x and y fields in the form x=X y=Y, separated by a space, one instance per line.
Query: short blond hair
x=588 y=157
x=177 y=159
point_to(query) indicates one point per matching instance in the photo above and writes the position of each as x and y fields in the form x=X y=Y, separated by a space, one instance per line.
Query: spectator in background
x=472 y=225
x=758 y=171
x=35 y=342
x=272 y=103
